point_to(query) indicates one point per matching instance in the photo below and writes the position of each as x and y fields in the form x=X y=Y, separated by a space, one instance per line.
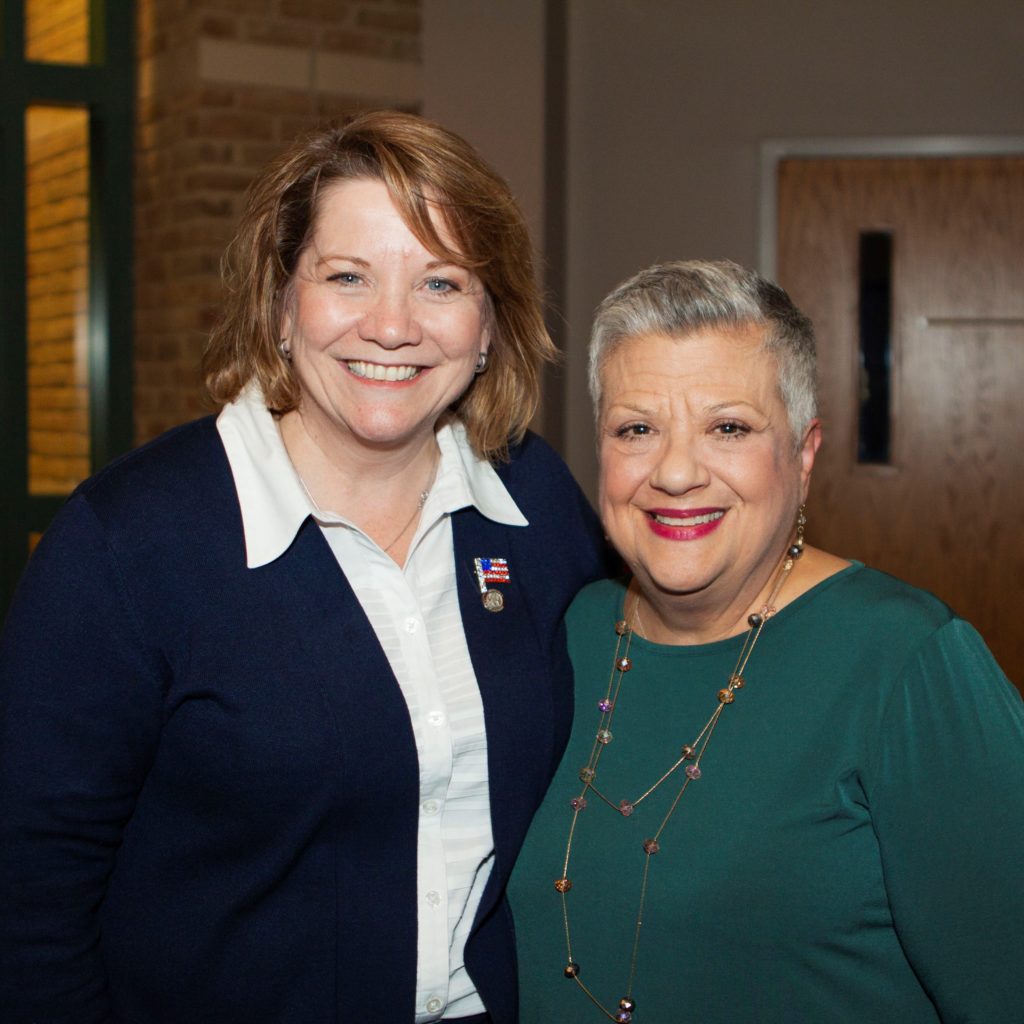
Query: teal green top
x=853 y=849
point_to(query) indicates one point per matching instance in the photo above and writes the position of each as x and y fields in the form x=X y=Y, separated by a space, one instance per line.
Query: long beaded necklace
x=691 y=755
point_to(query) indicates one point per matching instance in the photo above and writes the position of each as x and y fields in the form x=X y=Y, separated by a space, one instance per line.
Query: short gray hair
x=683 y=297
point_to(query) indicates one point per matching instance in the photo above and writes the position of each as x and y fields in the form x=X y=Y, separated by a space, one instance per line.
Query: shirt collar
x=464 y=479
x=274 y=502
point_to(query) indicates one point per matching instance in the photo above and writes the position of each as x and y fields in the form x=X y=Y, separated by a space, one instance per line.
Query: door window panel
x=57 y=297
x=57 y=31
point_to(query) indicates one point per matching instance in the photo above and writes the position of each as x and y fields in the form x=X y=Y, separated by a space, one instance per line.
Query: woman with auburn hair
x=282 y=689
x=794 y=790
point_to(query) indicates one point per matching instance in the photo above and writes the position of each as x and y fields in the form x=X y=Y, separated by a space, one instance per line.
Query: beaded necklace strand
x=690 y=756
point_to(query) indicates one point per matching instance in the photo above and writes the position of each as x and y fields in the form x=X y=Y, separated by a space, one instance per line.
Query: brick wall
x=223 y=86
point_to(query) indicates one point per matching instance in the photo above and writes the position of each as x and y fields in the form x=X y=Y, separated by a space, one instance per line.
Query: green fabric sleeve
x=946 y=796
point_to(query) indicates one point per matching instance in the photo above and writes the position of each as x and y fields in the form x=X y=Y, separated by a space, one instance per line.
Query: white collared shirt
x=414 y=611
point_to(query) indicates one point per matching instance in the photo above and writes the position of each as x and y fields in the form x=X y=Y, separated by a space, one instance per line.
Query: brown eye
x=732 y=429
x=633 y=430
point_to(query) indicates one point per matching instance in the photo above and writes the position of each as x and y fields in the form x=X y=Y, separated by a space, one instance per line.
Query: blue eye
x=441 y=285
x=345 y=277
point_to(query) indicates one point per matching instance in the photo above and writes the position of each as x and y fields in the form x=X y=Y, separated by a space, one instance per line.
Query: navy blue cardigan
x=209 y=784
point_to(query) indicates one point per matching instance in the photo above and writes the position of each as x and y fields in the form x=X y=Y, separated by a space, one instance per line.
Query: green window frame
x=106 y=89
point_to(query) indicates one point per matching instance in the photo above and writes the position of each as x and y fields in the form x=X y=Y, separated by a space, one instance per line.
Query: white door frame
x=775 y=150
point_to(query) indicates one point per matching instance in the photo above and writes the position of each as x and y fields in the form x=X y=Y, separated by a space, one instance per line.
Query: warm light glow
x=57 y=280
x=57 y=31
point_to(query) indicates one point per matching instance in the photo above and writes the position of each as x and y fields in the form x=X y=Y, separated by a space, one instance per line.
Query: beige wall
x=669 y=103
x=483 y=76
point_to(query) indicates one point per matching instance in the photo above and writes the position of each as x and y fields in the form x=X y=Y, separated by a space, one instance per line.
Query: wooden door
x=946 y=512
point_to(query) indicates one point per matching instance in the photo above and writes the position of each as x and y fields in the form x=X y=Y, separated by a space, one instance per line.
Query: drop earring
x=797 y=547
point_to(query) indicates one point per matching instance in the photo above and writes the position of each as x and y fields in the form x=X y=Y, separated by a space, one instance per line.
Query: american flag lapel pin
x=491 y=570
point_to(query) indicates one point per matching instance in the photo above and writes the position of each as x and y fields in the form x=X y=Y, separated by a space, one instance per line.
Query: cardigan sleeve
x=947 y=804
x=80 y=717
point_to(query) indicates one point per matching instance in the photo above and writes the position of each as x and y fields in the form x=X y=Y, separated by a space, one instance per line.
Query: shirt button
x=430 y=807
x=433 y=1004
x=436 y=718
x=434 y=898
x=411 y=625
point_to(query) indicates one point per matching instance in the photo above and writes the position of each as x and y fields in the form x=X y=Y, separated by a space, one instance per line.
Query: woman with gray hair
x=794 y=784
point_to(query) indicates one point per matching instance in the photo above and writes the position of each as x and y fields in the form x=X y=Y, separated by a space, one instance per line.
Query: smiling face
x=384 y=336
x=699 y=479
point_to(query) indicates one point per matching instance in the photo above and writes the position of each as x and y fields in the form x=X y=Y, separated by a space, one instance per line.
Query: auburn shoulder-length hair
x=423 y=165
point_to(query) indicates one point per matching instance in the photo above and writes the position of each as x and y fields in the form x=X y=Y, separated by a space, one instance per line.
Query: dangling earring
x=285 y=350
x=796 y=549
x=481 y=363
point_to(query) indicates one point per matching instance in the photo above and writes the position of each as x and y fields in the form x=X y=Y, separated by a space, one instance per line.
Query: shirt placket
x=435 y=750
